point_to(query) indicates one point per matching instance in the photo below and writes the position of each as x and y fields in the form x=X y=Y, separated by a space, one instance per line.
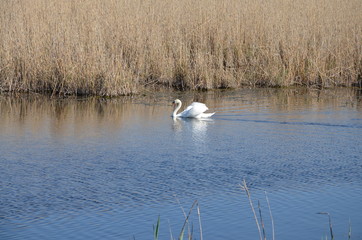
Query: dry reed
x=116 y=47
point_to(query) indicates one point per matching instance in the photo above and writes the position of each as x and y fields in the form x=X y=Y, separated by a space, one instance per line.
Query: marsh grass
x=117 y=47
x=330 y=223
x=187 y=224
x=186 y=227
x=258 y=221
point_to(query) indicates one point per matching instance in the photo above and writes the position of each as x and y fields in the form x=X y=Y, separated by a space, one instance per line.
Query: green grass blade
x=156 y=229
x=181 y=237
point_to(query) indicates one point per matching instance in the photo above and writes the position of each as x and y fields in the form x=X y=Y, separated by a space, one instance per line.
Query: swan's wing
x=198 y=104
x=205 y=115
x=199 y=107
x=188 y=112
x=194 y=110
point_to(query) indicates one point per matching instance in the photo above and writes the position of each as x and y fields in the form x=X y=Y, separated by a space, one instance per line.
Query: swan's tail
x=205 y=115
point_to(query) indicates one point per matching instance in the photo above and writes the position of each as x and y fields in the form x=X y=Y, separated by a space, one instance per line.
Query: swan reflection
x=197 y=128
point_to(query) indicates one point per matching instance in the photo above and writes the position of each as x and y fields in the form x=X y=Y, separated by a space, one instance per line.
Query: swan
x=195 y=110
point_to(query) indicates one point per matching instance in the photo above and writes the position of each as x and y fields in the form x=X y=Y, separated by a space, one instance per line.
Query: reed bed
x=118 y=47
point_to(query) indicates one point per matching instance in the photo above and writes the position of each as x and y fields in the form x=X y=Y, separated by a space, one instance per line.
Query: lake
x=93 y=168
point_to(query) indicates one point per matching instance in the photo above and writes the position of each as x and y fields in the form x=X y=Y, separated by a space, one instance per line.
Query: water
x=106 y=169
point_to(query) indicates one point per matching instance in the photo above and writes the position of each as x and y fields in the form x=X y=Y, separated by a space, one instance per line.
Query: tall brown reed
x=115 y=47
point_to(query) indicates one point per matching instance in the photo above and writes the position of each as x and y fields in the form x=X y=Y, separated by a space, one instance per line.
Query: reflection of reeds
x=109 y=47
x=70 y=117
x=75 y=115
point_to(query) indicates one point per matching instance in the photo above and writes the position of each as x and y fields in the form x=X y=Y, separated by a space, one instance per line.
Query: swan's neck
x=177 y=107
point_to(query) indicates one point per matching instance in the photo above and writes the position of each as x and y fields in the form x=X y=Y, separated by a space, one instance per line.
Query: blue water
x=106 y=169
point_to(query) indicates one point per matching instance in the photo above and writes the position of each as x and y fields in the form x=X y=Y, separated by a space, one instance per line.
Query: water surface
x=106 y=169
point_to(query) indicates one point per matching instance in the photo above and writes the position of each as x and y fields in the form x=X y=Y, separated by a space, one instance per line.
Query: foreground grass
x=187 y=231
x=117 y=47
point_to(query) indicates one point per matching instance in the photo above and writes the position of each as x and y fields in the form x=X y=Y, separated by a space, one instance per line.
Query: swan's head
x=176 y=102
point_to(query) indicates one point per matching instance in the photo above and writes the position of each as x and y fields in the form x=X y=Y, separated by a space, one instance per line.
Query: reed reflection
x=89 y=117
x=77 y=118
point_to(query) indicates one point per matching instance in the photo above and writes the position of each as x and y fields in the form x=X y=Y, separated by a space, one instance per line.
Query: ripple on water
x=65 y=181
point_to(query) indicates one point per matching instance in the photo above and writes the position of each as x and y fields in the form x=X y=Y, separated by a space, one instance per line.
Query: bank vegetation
x=118 y=47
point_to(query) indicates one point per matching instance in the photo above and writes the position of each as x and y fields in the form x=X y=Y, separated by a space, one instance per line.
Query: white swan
x=195 y=110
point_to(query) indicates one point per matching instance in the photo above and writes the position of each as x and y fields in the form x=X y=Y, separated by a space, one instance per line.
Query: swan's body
x=195 y=110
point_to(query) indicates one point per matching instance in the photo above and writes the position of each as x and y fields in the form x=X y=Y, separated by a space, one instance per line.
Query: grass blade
x=246 y=189
x=261 y=221
x=271 y=216
x=199 y=215
x=156 y=229
x=330 y=223
x=186 y=220
x=181 y=237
